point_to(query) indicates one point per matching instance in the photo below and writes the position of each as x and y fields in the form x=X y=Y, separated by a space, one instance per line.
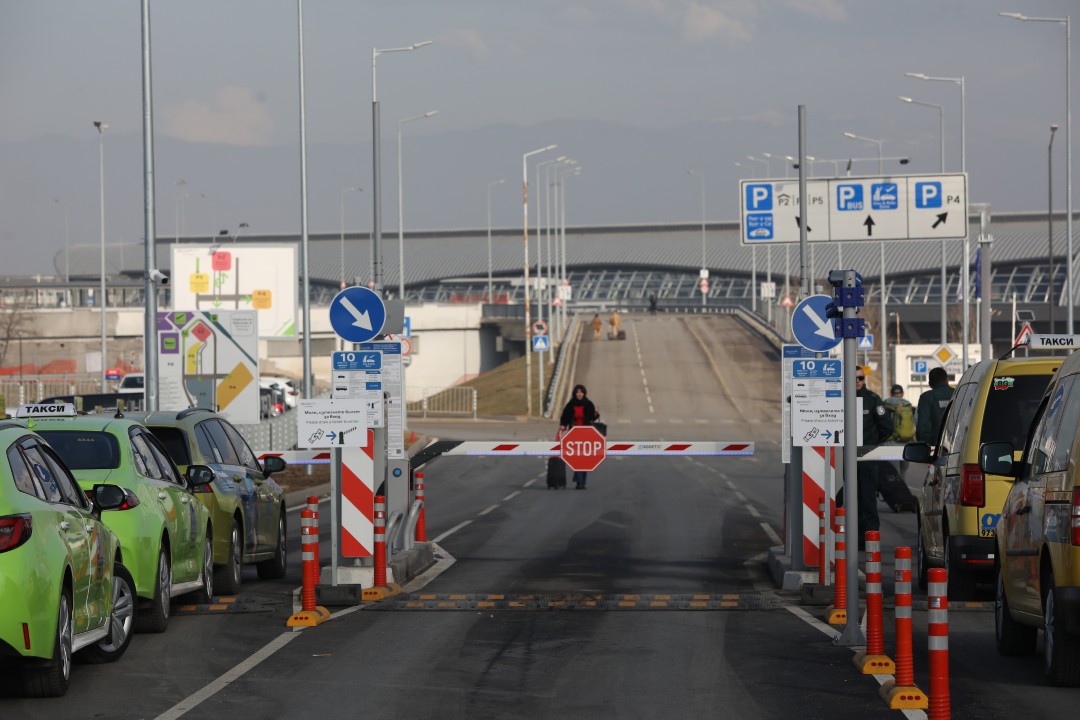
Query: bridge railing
x=452 y=401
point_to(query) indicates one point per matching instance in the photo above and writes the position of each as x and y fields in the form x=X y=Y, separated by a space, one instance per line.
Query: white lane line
x=641 y=366
x=530 y=482
x=753 y=511
x=731 y=485
x=771 y=533
x=457 y=527
x=193 y=700
x=739 y=496
x=511 y=495
x=489 y=508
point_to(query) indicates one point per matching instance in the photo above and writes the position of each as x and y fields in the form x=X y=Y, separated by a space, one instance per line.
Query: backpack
x=904 y=423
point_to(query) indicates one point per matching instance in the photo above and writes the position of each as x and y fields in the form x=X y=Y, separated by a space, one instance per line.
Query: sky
x=638 y=91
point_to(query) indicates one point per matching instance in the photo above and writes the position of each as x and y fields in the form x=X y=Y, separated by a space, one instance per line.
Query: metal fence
x=276 y=433
x=452 y=401
x=31 y=389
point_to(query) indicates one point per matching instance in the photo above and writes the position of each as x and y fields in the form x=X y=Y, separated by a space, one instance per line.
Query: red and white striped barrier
x=900 y=693
x=816 y=462
x=358 y=500
x=310 y=614
x=937 y=631
x=873 y=660
x=421 y=526
x=298 y=457
x=380 y=541
x=548 y=449
x=837 y=612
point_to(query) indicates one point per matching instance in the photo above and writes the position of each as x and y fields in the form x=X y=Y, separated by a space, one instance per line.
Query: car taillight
x=972 y=486
x=131 y=500
x=1074 y=530
x=15 y=530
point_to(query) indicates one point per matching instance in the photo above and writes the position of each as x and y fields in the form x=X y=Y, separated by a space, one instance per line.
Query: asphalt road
x=571 y=604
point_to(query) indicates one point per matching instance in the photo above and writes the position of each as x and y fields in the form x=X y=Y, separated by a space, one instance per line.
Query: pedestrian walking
x=652 y=303
x=578 y=411
x=932 y=404
x=876 y=428
x=616 y=325
x=597 y=326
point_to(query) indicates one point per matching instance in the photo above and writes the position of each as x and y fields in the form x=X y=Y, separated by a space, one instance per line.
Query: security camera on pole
x=848 y=298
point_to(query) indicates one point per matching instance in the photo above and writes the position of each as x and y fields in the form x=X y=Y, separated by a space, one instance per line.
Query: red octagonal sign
x=583 y=448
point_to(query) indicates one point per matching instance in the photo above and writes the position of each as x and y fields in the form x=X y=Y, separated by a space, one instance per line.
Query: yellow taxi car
x=959 y=504
x=1038 y=535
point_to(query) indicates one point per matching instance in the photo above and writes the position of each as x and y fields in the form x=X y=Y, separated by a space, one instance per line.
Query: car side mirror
x=272 y=464
x=199 y=477
x=108 y=497
x=918 y=452
x=996 y=458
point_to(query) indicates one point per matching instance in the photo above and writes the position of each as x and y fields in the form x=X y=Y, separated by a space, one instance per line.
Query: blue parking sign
x=849 y=197
x=759 y=226
x=928 y=194
x=884 y=196
x=759 y=197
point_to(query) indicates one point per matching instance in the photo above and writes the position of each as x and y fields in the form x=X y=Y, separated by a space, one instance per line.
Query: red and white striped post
x=421 y=527
x=823 y=562
x=937 y=631
x=901 y=693
x=380 y=541
x=309 y=556
x=837 y=612
x=873 y=660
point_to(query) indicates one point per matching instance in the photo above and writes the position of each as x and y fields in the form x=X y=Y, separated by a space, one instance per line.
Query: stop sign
x=583 y=448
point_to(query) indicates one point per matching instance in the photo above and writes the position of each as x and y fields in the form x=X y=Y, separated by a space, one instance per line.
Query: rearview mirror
x=917 y=452
x=272 y=464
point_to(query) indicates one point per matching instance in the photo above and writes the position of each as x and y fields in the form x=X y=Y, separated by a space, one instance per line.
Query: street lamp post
x=704 y=267
x=101 y=185
x=490 y=185
x=376 y=167
x=753 y=254
x=67 y=260
x=401 y=203
x=1068 y=157
x=543 y=278
x=341 y=209
x=1050 y=223
x=525 y=231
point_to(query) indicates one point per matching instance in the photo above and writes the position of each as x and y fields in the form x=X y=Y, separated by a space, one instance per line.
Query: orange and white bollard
x=901 y=693
x=310 y=613
x=380 y=541
x=421 y=527
x=823 y=562
x=937 y=631
x=873 y=660
x=837 y=612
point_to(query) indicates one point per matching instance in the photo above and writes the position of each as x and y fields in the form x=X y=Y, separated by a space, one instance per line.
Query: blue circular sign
x=357 y=314
x=811 y=328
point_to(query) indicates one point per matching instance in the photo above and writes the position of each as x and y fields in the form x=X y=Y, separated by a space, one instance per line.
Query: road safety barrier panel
x=836 y=613
x=816 y=462
x=543 y=448
x=358 y=499
x=937 y=632
x=900 y=693
x=872 y=660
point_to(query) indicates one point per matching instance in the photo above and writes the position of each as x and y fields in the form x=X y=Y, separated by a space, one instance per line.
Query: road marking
x=738 y=495
x=753 y=511
x=451 y=531
x=530 y=482
x=512 y=495
x=641 y=365
x=731 y=485
x=771 y=533
x=488 y=509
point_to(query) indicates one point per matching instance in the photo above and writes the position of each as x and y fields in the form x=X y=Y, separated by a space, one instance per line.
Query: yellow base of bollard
x=874 y=664
x=380 y=593
x=903 y=697
x=835 y=615
x=309 y=618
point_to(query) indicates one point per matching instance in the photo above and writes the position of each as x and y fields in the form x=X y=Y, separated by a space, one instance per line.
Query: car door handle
x=162 y=495
x=89 y=527
x=65 y=525
x=184 y=499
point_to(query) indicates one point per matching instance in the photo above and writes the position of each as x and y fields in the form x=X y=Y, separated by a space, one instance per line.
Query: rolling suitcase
x=894 y=491
x=556 y=473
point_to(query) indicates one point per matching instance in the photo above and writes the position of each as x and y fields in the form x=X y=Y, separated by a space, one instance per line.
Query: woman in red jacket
x=579 y=411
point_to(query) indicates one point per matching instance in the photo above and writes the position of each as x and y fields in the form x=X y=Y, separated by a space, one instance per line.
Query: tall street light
x=704 y=267
x=376 y=166
x=542 y=278
x=67 y=261
x=1068 y=155
x=963 y=168
x=490 y=185
x=941 y=163
x=101 y=184
x=884 y=287
x=760 y=160
x=1050 y=223
x=341 y=216
x=401 y=203
x=525 y=231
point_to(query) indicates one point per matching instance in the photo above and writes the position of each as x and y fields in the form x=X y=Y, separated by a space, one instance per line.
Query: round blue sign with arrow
x=811 y=327
x=357 y=314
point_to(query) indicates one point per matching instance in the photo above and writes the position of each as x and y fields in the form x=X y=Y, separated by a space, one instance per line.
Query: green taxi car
x=165 y=532
x=246 y=505
x=63 y=589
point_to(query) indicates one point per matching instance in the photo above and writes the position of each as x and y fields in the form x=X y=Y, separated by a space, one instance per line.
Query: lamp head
x=901 y=98
x=100 y=125
x=917 y=76
x=414 y=46
x=851 y=135
x=1053 y=129
x=1013 y=15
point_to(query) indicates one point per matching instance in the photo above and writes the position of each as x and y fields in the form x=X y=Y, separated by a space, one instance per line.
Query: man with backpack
x=903 y=415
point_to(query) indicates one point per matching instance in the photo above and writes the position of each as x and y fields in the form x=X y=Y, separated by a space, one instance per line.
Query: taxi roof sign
x=39 y=410
x=1052 y=342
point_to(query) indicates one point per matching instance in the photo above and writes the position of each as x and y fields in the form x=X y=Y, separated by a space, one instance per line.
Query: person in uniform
x=932 y=404
x=876 y=428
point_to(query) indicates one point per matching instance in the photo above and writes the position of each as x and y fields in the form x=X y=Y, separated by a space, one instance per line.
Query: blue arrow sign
x=357 y=314
x=811 y=327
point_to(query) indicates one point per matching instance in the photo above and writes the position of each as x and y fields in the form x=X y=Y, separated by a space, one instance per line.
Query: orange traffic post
x=380 y=541
x=421 y=527
x=937 y=631
x=310 y=613
x=873 y=660
x=901 y=693
x=837 y=612
x=823 y=563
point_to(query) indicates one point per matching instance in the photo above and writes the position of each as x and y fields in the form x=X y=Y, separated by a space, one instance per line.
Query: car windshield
x=84 y=449
x=1010 y=406
x=173 y=440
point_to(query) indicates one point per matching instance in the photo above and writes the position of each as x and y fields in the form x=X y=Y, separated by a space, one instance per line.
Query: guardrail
x=451 y=401
x=33 y=388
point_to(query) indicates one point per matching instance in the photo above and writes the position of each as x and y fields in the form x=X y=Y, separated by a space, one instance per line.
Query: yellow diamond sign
x=944 y=354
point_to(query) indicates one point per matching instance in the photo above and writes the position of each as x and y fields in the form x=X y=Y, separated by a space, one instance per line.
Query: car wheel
x=1061 y=651
x=155 y=617
x=961 y=584
x=121 y=621
x=1012 y=638
x=206 y=594
x=53 y=680
x=227 y=576
x=923 y=568
x=274 y=568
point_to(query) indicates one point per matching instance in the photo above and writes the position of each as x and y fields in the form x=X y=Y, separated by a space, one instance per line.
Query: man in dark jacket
x=932 y=404
x=876 y=429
